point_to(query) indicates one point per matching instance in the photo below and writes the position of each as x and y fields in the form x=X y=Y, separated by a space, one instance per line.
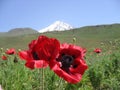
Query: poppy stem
x=42 y=78
x=60 y=82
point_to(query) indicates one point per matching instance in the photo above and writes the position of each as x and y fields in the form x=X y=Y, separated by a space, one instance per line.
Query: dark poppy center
x=35 y=56
x=66 y=61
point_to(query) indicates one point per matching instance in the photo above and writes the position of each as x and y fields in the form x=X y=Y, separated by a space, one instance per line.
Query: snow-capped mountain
x=57 y=26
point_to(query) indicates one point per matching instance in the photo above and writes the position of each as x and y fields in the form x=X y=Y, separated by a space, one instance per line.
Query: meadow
x=103 y=71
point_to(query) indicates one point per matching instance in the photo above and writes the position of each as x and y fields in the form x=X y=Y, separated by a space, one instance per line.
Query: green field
x=89 y=36
x=103 y=71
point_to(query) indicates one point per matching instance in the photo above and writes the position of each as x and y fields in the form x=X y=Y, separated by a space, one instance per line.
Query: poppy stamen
x=66 y=61
x=35 y=56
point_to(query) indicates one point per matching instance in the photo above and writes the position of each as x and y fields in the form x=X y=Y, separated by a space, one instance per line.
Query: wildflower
x=15 y=59
x=4 y=57
x=97 y=50
x=74 y=40
x=10 y=51
x=69 y=64
x=40 y=52
x=1 y=49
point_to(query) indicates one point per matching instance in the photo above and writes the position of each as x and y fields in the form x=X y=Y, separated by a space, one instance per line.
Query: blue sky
x=38 y=14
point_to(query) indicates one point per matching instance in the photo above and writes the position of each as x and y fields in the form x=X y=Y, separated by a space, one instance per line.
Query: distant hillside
x=89 y=36
x=19 y=31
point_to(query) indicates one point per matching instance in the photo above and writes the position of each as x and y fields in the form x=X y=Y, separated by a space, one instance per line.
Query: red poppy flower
x=69 y=64
x=10 y=51
x=97 y=50
x=40 y=52
x=4 y=57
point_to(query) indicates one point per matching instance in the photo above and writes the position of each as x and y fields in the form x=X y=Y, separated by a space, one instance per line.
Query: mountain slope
x=57 y=26
x=19 y=31
x=89 y=36
x=22 y=31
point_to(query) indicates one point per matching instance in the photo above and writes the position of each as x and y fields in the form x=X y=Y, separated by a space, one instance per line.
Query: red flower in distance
x=69 y=64
x=40 y=52
x=4 y=57
x=10 y=51
x=97 y=50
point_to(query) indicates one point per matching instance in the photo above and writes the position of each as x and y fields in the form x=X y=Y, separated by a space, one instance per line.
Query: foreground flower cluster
x=8 y=52
x=66 y=60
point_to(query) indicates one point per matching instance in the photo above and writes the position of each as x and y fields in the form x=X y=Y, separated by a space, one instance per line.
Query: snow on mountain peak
x=57 y=26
